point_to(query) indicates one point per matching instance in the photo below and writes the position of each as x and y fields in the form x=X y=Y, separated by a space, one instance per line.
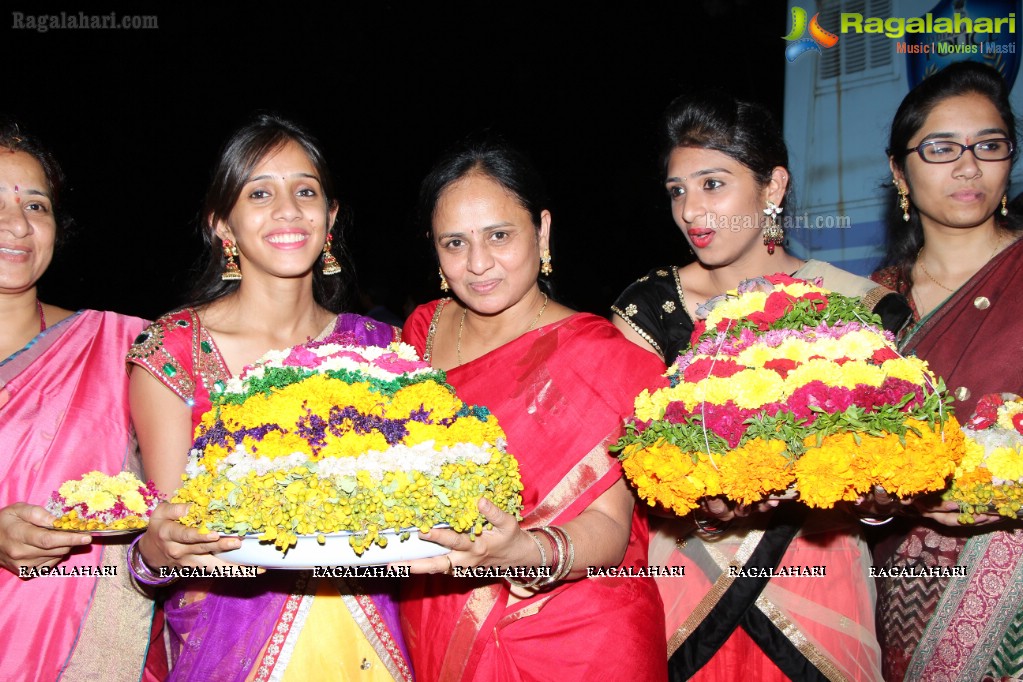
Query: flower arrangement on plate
x=330 y=438
x=98 y=503
x=990 y=477
x=788 y=386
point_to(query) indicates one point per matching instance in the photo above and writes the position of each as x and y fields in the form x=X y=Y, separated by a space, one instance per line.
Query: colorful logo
x=819 y=37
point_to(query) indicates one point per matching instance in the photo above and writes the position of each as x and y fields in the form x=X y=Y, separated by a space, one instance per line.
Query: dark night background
x=137 y=116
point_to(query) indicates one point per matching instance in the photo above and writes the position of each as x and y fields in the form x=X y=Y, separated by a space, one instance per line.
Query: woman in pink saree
x=270 y=211
x=726 y=169
x=63 y=413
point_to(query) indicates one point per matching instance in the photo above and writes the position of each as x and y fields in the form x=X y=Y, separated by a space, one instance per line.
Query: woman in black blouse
x=727 y=179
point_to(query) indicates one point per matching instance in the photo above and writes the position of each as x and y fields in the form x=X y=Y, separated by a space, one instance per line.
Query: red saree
x=560 y=393
x=961 y=628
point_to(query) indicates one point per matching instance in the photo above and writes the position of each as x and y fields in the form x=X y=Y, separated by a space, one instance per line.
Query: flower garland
x=990 y=476
x=97 y=501
x=787 y=384
x=339 y=438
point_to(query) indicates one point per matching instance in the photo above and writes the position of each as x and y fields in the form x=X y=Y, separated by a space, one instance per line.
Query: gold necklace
x=931 y=277
x=461 y=326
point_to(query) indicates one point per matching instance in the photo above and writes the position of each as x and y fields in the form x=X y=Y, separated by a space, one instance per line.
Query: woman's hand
x=27 y=539
x=169 y=543
x=946 y=512
x=506 y=544
x=722 y=509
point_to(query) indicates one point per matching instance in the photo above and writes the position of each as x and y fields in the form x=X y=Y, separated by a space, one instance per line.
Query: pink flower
x=812 y=394
x=301 y=357
x=676 y=412
x=725 y=420
x=393 y=363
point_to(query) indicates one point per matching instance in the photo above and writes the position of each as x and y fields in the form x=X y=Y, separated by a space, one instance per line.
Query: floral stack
x=98 y=502
x=790 y=388
x=990 y=477
x=333 y=438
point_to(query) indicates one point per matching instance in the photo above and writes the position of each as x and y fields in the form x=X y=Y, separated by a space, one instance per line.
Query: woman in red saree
x=951 y=149
x=561 y=384
x=63 y=413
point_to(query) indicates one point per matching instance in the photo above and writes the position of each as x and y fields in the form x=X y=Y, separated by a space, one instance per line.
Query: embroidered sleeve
x=653 y=306
x=164 y=350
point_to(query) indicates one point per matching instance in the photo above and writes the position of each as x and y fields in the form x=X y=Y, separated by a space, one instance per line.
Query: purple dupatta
x=223 y=634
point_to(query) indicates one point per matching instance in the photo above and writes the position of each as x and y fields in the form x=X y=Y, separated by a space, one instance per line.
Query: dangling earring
x=773 y=233
x=443 y=281
x=903 y=199
x=330 y=264
x=1005 y=209
x=231 y=270
x=545 y=263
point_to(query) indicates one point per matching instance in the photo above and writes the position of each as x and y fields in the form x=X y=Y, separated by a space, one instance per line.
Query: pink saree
x=560 y=393
x=63 y=413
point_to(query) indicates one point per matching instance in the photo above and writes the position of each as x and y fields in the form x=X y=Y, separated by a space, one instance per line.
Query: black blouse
x=655 y=308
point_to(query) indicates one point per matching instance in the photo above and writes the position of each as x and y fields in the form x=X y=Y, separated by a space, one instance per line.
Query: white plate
x=336 y=551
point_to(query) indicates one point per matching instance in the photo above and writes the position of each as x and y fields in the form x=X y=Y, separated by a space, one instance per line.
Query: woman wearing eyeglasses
x=954 y=253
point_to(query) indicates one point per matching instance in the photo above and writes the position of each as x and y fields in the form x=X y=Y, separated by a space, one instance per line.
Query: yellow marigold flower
x=756 y=355
x=716 y=390
x=736 y=308
x=793 y=349
x=859 y=372
x=100 y=500
x=754 y=388
x=972 y=458
x=798 y=289
x=923 y=464
x=813 y=370
x=754 y=471
x=860 y=345
x=1005 y=463
x=277 y=444
x=910 y=369
x=824 y=475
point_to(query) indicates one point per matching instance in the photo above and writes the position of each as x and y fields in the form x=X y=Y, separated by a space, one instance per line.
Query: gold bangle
x=570 y=562
x=543 y=562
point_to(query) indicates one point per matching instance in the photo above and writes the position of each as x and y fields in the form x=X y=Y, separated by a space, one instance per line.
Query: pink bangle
x=140 y=571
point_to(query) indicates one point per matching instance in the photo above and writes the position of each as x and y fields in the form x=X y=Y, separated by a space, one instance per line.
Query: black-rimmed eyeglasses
x=940 y=151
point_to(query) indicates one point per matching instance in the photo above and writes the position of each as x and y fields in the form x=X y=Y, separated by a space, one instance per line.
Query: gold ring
x=451 y=566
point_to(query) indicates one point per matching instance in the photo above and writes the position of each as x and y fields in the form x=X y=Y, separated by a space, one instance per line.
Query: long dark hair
x=265 y=134
x=905 y=239
x=744 y=131
x=495 y=159
x=15 y=138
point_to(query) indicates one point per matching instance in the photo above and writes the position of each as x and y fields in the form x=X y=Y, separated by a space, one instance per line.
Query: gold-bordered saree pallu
x=560 y=393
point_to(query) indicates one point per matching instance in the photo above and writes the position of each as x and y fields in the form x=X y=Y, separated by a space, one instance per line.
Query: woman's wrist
x=141 y=571
x=557 y=552
x=533 y=583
